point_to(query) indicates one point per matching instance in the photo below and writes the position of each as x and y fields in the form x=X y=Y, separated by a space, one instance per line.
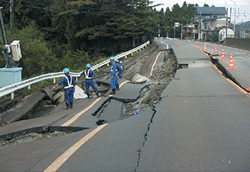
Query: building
x=243 y=30
x=207 y=23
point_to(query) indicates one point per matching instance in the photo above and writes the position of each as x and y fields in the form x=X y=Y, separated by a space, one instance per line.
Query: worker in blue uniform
x=123 y=70
x=69 y=87
x=112 y=74
x=89 y=75
x=118 y=70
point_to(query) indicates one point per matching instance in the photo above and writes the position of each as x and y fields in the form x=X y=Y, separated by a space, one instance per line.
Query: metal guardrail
x=10 y=89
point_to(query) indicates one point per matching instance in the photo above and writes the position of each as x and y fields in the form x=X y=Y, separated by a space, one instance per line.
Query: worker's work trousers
x=90 y=83
x=68 y=95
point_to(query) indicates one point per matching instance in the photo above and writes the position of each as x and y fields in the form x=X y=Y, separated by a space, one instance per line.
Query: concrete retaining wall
x=242 y=43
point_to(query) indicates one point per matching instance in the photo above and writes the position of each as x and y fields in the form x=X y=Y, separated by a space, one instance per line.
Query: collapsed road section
x=118 y=107
x=147 y=93
x=36 y=133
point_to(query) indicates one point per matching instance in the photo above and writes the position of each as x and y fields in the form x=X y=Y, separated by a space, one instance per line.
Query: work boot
x=113 y=92
x=67 y=106
x=117 y=87
x=88 y=95
x=97 y=94
x=71 y=105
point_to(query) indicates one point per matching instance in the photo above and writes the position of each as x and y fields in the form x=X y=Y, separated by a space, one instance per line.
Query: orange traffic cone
x=248 y=89
x=196 y=45
x=215 y=49
x=177 y=44
x=223 y=55
x=231 y=63
x=205 y=47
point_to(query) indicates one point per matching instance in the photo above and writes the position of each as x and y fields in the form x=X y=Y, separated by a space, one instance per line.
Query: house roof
x=211 y=10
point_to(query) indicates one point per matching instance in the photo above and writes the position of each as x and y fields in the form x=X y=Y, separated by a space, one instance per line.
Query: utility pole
x=159 y=31
x=11 y=21
x=181 y=30
x=230 y=15
x=10 y=74
x=3 y=36
x=226 y=22
x=234 y=17
x=4 y=41
x=9 y=63
x=174 y=31
x=200 y=25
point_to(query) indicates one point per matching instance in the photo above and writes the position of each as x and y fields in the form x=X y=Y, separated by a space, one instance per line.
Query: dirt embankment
x=151 y=93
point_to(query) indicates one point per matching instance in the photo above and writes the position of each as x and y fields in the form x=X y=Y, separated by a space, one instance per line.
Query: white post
x=12 y=95
x=29 y=87
x=54 y=80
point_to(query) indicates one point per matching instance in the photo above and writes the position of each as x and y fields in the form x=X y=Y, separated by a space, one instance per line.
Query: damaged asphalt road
x=190 y=119
x=133 y=100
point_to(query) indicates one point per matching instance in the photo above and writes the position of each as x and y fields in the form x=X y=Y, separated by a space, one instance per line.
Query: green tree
x=179 y=14
x=36 y=57
x=78 y=31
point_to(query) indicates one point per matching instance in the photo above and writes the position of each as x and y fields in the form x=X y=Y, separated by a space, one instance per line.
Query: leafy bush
x=75 y=60
x=36 y=57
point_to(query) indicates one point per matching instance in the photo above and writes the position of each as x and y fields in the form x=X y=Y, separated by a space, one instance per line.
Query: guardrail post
x=126 y=57
x=29 y=87
x=76 y=78
x=12 y=96
x=54 y=80
x=107 y=64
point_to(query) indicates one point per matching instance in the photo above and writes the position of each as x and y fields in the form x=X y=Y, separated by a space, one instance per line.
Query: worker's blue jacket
x=118 y=68
x=121 y=72
x=113 y=69
x=88 y=74
x=67 y=81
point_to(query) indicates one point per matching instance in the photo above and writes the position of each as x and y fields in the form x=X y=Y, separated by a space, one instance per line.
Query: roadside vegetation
x=71 y=33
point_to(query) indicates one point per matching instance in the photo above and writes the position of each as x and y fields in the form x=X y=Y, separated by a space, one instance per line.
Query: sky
x=242 y=6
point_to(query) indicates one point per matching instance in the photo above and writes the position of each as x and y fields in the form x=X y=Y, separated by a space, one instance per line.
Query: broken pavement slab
x=113 y=111
x=129 y=92
x=22 y=109
x=48 y=92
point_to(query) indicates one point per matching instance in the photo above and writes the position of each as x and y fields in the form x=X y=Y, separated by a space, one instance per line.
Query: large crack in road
x=161 y=77
x=148 y=96
x=145 y=139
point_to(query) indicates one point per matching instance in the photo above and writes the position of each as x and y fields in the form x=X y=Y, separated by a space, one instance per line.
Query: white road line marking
x=151 y=72
x=74 y=118
x=67 y=154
